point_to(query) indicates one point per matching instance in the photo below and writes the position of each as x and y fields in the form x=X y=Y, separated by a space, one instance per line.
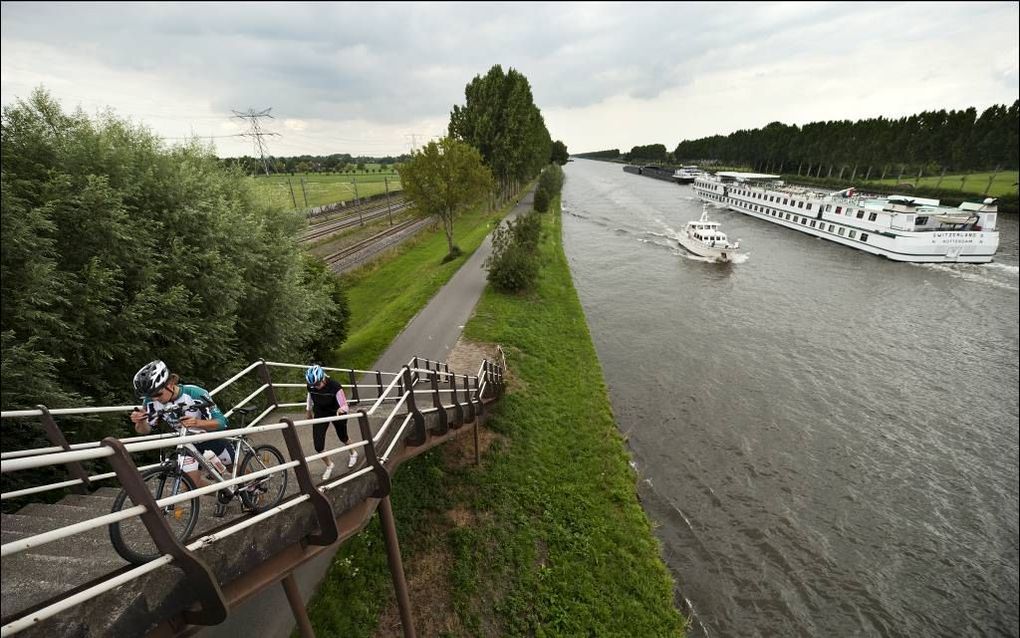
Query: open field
x=1004 y=182
x=322 y=188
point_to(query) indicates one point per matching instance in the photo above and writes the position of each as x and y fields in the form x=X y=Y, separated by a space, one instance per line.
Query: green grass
x=321 y=188
x=1003 y=182
x=557 y=544
x=385 y=296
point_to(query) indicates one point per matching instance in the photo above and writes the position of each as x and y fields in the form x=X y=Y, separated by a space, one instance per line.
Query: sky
x=381 y=78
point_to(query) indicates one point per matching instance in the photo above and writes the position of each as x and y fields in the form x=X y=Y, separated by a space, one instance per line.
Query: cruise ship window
x=788 y=215
x=841 y=229
x=828 y=207
x=860 y=214
x=864 y=236
x=803 y=220
x=809 y=206
x=786 y=202
x=872 y=217
x=812 y=223
x=800 y=204
x=853 y=233
x=831 y=228
x=839 y=209
x=922 y=220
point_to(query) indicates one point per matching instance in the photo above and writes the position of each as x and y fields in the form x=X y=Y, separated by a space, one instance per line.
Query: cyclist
x=160 y=389
x=326 y=398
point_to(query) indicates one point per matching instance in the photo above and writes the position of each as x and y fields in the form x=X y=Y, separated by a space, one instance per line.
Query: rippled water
x=827 y=440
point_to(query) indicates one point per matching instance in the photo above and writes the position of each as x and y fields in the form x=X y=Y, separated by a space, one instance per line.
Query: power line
x=256 y=133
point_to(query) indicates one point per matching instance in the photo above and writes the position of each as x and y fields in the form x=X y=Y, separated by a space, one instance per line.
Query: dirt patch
x=460 y=452
x=467 y=356
x=428 y=584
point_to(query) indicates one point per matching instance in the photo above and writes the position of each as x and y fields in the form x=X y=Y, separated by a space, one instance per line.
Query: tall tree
x=443 y=179
x=559 y=153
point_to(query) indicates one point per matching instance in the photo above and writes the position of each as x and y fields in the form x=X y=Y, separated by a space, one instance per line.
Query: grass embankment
x=546 y=536
x=998 y=184
x=322 y=188
x=385 y=295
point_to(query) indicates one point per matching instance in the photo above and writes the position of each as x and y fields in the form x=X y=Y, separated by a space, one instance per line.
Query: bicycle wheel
x=267 y=491
x=130 y=537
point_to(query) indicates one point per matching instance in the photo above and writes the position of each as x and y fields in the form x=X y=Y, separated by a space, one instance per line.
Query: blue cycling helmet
x=314 y=374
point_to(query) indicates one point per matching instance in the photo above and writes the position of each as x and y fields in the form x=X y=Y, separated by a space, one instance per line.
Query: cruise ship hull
x=951 y=246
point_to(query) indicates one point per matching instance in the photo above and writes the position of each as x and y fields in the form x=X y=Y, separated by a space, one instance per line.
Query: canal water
x=826 y=440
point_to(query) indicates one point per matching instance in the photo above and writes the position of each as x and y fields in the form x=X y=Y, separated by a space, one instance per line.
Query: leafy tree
x=541 y=203
x=559 y=154
x=118 y=250
x=444 y=178
x=500 y=119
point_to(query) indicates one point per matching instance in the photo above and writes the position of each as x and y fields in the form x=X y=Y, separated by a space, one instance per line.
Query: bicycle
x=132 y=540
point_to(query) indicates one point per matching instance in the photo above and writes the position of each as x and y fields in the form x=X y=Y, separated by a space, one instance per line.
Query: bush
x=513 y=264
x=118 y=250
x=551 y=180
x=527 y=231
x=542 y=198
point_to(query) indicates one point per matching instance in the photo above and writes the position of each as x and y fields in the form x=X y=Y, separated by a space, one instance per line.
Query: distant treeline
x=336 y=163
x=939 y=140
x=612 y=153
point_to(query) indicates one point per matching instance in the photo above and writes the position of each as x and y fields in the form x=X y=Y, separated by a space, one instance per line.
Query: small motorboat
x=703 y=238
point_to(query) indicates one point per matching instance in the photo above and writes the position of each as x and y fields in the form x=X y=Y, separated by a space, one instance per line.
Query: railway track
x=359 y=252
x=368 y=213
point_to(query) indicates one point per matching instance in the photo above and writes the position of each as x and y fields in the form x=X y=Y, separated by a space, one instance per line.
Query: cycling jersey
x=189 y=396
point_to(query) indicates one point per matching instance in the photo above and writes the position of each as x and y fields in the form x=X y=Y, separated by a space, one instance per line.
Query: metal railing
x=467 y=402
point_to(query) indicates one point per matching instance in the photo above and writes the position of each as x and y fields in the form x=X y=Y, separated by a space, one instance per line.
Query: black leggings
x=319 y=433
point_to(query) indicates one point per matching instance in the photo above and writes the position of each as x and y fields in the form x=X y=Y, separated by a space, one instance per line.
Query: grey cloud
x=364 y=60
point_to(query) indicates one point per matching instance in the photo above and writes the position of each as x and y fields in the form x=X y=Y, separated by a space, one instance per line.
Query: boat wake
x=1002 y=276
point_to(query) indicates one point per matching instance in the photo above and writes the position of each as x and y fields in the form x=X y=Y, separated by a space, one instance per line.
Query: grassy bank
x=385 y=295
x=546 y=536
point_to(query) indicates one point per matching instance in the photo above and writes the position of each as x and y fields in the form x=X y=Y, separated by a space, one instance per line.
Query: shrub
x=542 y=198
x=551 y=180
x=118 y=250
x=513 y=264
x=527 y=231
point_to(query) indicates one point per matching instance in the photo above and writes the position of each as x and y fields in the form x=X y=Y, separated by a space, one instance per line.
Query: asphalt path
x=431 y=334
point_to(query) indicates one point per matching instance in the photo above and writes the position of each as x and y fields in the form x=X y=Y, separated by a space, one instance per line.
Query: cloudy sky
x=376 y=78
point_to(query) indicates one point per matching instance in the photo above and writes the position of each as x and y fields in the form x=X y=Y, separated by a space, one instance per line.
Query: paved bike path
x=432 y=334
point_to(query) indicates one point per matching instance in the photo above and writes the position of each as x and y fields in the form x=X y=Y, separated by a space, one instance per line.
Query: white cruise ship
x=899 y=227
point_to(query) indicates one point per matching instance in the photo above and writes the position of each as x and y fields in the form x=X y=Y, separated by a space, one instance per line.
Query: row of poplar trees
x=501 y=120
x=952 y=140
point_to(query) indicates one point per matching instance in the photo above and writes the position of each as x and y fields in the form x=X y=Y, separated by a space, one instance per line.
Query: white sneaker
x=328 y=473
x=351 y=462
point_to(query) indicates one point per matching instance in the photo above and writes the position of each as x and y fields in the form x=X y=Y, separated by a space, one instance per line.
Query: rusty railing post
x=297 y=606
x=458 y=409
x=437 y=402
x=56 y=437
x=201 y=581
x=418 y=434
x=328 y=531
x=354 y=387
x=389 y=528
x=266 y=379
x=471 y=414
x=478 y=388
x=378 y=384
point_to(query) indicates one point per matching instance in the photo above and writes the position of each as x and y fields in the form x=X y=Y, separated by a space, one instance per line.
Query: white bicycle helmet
x=151 y=378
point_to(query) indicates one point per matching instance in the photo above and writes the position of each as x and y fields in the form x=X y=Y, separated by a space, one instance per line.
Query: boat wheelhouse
x=899 y=227
x=706 y=239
